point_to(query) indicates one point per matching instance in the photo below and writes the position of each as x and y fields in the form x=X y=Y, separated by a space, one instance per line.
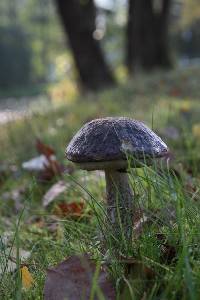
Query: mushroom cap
x=106 y=143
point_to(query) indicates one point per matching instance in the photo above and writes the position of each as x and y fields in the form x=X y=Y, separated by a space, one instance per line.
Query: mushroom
x=105 y=144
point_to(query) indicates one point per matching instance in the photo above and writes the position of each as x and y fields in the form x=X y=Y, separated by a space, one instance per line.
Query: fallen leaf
x=27 y=278
x=73 y=279
x=53 y=167
x=73 y=209
x=49 y=153
x=44 y=149
x=47 y=168
x=46 y=164
x=39 y=163
x=56 y=189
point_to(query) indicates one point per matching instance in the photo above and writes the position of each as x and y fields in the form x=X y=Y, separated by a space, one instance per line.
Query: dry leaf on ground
x=56 y=189
x=73 y=279
x=46 y=164
x=69 y=210
x=39 y=163
x=44 y=149
x=27 y=278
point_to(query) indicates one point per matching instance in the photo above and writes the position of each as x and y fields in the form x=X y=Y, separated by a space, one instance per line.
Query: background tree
x=30 y=41
x=147 y=34
x=15 y=54
x=78 y=18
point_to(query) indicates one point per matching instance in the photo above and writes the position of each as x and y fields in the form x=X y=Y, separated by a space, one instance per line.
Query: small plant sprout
x=107 y=144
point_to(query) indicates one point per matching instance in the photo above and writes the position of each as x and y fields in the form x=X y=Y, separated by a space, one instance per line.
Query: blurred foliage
x=33 y=44
x=186 y=33
x=188 y=40
x=190 y=13
x=30 y=40
x=15 y=57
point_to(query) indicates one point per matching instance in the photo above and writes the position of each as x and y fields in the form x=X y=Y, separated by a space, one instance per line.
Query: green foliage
x=30 y=41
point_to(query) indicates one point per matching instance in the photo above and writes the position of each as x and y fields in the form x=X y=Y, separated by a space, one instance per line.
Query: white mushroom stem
x=120 y=202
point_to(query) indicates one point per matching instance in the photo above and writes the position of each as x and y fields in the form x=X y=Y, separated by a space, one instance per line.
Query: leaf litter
x=27 y=278
x=78 y=277
x=46 y=164
x=55 y=190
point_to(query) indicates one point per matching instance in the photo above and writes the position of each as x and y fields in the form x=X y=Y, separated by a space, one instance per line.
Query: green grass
x=164 y=259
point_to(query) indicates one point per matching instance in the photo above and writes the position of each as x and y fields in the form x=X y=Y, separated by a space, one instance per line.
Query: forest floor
x=39 y=230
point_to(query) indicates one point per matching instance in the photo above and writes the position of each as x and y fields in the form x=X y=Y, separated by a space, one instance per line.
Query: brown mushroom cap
x=105 y=143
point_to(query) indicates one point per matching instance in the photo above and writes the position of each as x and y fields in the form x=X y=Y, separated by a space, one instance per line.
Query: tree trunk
x=78 y=18
x=147 y=35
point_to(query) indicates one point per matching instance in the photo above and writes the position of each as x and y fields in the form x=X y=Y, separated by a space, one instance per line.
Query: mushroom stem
x=120 y=202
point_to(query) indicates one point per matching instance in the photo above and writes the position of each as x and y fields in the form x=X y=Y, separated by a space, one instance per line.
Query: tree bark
x=147 y=35
x=78 y=18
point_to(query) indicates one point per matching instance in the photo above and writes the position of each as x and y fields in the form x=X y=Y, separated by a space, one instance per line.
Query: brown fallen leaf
x=49 y=153
x=56 y=189
x=46 y=164
x=73 y=279
x=51 y=170
x=70 y=210
x=44 y=149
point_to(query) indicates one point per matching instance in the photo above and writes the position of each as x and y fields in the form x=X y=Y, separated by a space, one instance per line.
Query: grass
x=163 y=260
